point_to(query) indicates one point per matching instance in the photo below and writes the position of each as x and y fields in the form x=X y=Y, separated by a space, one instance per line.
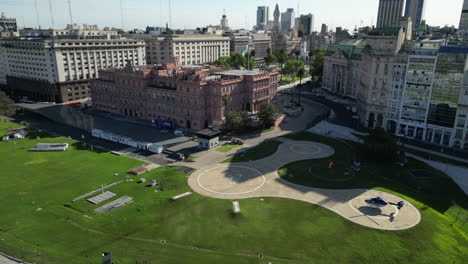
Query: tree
x=297 y=53
x=267 y=114
x=234 y=121
x=380 y=145
x=246 y=118
x=282 y=57
x=253 y=53
x=226 y=100
x=7 y=106
x=292 y=67
x=238 y=60
x=316 y=67
x=270 y=59
x=224 y=62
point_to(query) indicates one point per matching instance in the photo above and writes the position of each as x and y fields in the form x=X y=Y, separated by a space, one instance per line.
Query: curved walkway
x=260 y=179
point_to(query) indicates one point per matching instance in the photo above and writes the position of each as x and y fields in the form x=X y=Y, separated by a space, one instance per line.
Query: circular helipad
x=231 y=180
x=306 y=148
x=360 y=206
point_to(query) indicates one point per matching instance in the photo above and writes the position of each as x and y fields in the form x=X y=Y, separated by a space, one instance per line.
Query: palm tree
x=300 y=74
x=297 y=53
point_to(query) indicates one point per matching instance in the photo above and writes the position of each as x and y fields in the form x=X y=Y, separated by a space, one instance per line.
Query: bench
x=236 y=207
x=181 y=195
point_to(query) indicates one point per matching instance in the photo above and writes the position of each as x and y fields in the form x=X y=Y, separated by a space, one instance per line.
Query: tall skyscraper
x=390 y=12
x=263 y=15
x=463 y=27
x=305 y=25
x=288 y=19
x=276 y=19
x=415 y=10
x=324 y=29
x=224 y=22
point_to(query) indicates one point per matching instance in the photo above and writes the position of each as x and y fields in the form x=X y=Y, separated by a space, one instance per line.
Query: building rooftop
x=241 y=72
x=209 y=133
x=351 y=49
x=387 y=31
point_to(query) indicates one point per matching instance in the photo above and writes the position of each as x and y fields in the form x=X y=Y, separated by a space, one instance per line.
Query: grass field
x=5 y=126
x=261 y=151
x=287 y=80
x=40 y=223
x=228 y=147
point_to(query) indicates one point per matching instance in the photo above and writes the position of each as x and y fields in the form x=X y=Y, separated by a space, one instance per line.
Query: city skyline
x=141 y=13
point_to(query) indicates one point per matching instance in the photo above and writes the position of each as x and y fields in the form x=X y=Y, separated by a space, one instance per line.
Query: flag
x=246 y=50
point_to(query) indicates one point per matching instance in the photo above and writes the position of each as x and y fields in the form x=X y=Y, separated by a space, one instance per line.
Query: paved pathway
x=260 y=179
x=457 y=173
x=5 y=259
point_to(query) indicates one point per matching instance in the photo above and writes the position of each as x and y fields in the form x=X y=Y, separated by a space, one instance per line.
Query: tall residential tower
x=415 y=10
x=390 y=12
x=288 y=19
x=263 y=15
x=463 y=28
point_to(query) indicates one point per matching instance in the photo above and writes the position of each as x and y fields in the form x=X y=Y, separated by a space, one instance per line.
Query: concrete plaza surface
x=260 y=179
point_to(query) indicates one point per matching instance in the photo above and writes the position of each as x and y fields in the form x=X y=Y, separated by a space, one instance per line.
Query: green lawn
x=40 y=223
x=287 y=80
x=435 y=197
x=6 y=125
x=261 y=151
x=228 y=147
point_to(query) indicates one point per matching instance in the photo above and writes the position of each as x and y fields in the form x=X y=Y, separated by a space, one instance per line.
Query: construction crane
x=70 y=12
x=51 y=14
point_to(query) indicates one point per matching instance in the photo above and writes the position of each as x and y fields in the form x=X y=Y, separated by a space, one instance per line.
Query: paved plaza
x=260 y=179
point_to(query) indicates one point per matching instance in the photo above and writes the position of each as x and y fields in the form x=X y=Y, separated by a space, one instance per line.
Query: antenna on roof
x=224 y=11
x=297 y=14
x=170 y=17
x=70 y=12
x=51 y=14
x=122 y=14
x=37 y=14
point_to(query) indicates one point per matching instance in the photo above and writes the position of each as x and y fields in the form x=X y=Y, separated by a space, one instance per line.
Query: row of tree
x=288 y=66
x=240 y=120
x=237 y=60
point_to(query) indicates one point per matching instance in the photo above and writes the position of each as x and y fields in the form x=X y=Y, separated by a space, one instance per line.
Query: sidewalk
x=287 y=86
x=5 y=259
x=436 y=153
x=457 y=173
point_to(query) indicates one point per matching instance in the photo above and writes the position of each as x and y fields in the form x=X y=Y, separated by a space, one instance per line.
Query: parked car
x=178 y=156
x=237 y=141
x=178 y=133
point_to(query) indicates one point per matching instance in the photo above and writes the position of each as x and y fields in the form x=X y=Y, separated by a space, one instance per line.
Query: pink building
x=191 y=98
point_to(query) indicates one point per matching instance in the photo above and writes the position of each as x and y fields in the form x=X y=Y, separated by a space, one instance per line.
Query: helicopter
x=380 y=203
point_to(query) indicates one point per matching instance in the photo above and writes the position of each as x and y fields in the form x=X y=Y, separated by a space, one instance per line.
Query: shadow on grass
x=261 y=151
x=87 y=147
x=439 y=192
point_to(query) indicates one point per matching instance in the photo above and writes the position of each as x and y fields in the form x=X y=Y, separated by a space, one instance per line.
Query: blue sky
x=192 y=14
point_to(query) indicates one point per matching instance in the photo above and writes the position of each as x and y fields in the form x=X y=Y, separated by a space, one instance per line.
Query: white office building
x=59 y=70
x=188 y=49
